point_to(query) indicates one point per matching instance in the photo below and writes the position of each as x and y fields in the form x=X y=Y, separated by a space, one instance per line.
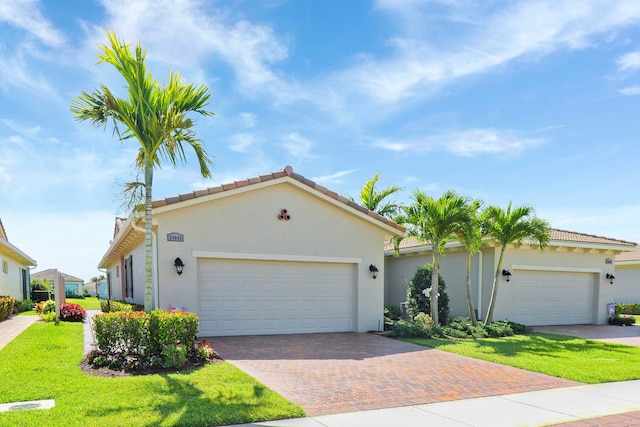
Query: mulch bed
x=106 y=372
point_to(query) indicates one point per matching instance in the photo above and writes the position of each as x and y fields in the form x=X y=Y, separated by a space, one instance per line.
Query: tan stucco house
x=627 y=278
x=564 y=284
x=14 y=269
x=72 y=284
x=272 y=254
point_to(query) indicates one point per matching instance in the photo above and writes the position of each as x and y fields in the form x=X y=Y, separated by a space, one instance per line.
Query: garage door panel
x=241 y=297
x=547 y=298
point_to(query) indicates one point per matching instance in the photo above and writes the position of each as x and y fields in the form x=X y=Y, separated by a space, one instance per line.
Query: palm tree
x=512 y=226
x=469 y=234
x=155 y=115
x=374 y=200
x=435 y=221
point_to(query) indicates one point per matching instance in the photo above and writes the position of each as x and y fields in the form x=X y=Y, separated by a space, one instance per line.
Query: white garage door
x=240 y=297
x=547 y=298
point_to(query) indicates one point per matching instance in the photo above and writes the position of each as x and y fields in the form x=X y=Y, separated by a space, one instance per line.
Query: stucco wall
x=627 y=284
x=247 y=223
x=11 y=282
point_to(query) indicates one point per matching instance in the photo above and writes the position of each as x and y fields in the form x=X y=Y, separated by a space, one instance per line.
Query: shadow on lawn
x=548 y=345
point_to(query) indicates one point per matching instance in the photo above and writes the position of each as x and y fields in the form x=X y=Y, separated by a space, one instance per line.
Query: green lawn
x=87 y=303
x=42 y=363
x=561 y=356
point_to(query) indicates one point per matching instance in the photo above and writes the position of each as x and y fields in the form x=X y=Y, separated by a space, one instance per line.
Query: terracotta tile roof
x=286 y=172
x=119 y=224
x=628 y=257
x=555 y=236
x=3 y=233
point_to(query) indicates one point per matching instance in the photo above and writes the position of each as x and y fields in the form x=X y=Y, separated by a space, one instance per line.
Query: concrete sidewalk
x=14 y=326
x=601 y=404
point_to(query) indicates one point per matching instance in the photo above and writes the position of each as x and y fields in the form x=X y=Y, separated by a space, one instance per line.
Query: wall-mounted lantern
x=179 y=265
x=611 y=278
x=507 y=275
x=374 y=270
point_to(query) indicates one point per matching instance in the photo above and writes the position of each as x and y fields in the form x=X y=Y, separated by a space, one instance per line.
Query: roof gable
x=286 y=173
x=557 y=237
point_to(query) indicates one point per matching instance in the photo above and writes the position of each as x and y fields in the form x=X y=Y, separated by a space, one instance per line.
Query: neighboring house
x=97 y=289
x=273 y=254
x=564 y=284
x=14 y=269
x=72 y=284
x=627 y=278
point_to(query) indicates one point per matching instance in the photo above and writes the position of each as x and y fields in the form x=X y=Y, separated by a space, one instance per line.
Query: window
x=128 y=277
x=5 y=267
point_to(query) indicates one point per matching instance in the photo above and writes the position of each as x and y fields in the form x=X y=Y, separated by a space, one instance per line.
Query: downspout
x=479 y=284
x=154 y=256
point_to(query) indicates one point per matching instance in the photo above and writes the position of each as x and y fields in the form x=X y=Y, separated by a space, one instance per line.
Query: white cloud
x=629 y=61
x=516 y=30
x=248 y=119
x=335 y=178
x=298 y=146
x=242 y=142
x=629 y=91
x=464 y=143
x=25 y=14
x=179 y=32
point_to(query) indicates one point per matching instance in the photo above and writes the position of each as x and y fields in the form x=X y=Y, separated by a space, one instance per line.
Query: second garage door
x=246 y=297
x=547 y=298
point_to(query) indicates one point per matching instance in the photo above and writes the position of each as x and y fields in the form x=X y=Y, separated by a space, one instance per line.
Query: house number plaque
x=175 y=237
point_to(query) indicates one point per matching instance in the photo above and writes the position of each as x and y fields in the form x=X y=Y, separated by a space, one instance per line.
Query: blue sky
x=534 y=102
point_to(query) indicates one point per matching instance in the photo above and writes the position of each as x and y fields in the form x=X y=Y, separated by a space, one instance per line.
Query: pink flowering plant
x=70 y=312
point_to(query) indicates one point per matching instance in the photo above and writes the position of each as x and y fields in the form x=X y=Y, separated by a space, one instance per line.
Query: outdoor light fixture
x=179 y=265
x=507 y=275
x=374 y=270
x=611 y=278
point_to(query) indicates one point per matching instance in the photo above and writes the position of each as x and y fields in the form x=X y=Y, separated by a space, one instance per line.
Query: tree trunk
x=148 y=240
x=472 y=313
x=434 y=287
x=494 y=290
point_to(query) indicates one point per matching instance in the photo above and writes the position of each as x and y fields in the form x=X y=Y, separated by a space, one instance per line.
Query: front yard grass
x=571 y=358
x=86 y=303
x=42 y=363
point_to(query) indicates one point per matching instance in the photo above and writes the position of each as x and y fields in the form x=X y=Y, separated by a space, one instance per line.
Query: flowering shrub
x=175 y=356
x=109 y=305
x=70 y=312
x=6 y=306
x=205 y=351
x=622 y=320
x=138 y=340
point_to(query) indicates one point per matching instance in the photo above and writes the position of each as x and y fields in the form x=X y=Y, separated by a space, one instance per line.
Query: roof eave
x=24 y=258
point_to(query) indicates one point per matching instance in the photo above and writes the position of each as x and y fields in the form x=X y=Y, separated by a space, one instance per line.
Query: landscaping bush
x=461 y=327
x=138 y=340
x=418 y=302
x=25 y=305
x=622 y=320
x=6 y=306
x=109 y=305
x=41 y=290
x=392 y=314
x=45 y=307
x=627 y=308
x=421 y=326
x=70 y=312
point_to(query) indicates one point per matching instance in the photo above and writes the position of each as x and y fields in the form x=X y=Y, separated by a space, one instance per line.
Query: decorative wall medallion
x=284 y=216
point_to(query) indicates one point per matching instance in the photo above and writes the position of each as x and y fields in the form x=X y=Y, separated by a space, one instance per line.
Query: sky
x=533 y=102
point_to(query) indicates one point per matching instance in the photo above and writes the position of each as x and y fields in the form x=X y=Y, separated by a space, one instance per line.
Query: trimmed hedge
x=109 y=305
x=627 y=308
x=6 y=306
x=136 y=339
x=622 y=320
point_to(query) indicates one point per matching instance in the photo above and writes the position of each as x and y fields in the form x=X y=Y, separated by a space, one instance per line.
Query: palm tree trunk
x=434 y=287
x=472 y=313
x=494 y=290
x=148 y=242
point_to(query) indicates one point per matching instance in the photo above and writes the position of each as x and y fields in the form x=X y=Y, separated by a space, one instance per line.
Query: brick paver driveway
x=345 y=372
